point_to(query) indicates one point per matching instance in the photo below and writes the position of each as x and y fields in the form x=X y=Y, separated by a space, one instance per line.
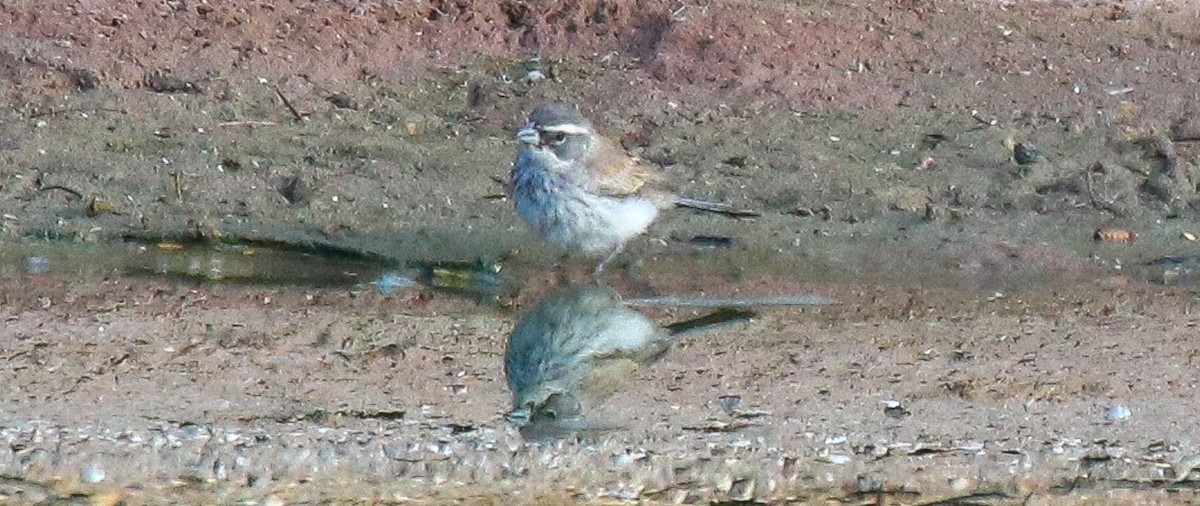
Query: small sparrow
x=577 y=347
x=581 y=192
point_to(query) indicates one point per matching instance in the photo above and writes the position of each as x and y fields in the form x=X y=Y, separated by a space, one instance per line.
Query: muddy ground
x=939 y=168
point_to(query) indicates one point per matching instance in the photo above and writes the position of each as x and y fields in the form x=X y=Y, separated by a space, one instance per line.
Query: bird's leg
x=561 y=269
x=567 y=272
x=613 y=254
x=561 y=263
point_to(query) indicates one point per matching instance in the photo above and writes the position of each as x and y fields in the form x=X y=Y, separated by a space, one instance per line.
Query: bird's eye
x=557 y=138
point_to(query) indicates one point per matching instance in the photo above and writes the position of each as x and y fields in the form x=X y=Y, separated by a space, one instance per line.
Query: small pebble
x=838 y=459
x=1185 y=466
x=92 y=473
x=534 y=76
x=1025 y=154
x=99 y=207
x=894 y=409
x=37 y=265
x=1118 y=412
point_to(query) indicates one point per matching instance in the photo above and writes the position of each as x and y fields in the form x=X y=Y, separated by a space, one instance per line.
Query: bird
x=576 y=189
x=577 y=347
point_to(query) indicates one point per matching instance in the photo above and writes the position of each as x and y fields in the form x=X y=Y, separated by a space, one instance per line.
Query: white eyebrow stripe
x=568 y=129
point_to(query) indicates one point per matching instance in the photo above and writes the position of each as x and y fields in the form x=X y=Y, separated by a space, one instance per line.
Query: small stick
x=295 y=114
x=55 y=112
x=247 y=123
x=63 y=188
x=732 y=302
x=178 y=186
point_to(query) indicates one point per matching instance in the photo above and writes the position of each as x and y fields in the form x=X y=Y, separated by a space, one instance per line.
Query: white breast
x=562 y=213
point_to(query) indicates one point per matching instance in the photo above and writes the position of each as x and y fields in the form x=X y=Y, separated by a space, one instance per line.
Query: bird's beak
x=529 y=135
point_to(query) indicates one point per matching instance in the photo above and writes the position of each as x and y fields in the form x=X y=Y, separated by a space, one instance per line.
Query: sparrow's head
x=558 y=128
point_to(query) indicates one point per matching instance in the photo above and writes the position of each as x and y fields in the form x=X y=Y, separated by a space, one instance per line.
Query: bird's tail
x=714 y=207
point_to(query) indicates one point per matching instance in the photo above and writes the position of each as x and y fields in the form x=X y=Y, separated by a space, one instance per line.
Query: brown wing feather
x=616 y=174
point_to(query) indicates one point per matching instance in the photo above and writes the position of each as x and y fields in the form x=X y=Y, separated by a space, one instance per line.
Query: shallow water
x=269 y=262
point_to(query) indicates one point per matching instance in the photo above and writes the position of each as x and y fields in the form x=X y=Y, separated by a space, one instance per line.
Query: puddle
x=89 y=260
x=748 y=279
x=251 y=262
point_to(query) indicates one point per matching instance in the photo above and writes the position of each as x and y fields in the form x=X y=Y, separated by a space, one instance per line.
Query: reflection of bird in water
x=577 y=347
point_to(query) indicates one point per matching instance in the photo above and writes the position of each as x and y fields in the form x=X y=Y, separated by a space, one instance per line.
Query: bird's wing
x=614 y=173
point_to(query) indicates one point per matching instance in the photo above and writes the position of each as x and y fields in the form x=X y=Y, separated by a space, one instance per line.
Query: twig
x=178 y=186
x=75 y=386
x=295 y=114
x=732 y=302
x=1087 y=180
x=247 y=123
x=55 y=112
x=62 y=188
x=989 y=121
x=983 y=497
